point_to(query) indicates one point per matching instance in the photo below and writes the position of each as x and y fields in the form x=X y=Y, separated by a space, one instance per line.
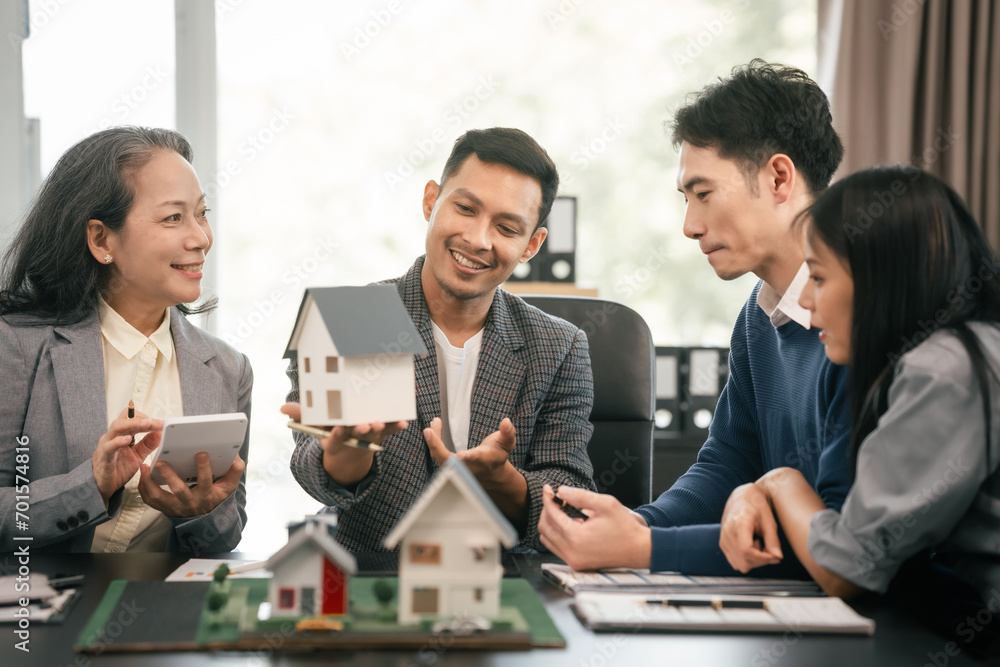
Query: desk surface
x=898 y=640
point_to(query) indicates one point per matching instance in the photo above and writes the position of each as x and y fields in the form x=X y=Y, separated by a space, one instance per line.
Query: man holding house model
x=755 y=149
x=505 y=387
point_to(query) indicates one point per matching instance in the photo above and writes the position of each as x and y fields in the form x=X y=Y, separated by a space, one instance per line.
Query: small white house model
x=310 y=573
x=354 y=350
x=449 y=561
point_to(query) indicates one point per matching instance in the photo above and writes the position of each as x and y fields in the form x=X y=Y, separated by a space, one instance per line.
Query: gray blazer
x=53 y=407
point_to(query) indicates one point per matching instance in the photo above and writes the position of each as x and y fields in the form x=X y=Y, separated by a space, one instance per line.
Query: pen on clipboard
x=714 y=603
x=323 y=433
x=131 y=415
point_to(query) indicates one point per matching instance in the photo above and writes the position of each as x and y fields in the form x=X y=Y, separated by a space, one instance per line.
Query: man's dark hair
x=511 y=147
x=763 y=109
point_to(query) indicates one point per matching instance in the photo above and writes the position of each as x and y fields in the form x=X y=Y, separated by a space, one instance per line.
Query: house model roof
x=456 y=473
x=318 y=534
x=369 y=319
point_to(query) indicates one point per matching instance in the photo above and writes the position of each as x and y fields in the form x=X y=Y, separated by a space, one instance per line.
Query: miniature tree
x=221 y=573
x=383 y=592
x=217 y=600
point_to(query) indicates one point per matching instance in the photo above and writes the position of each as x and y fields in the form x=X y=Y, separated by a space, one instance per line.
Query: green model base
x=230 y=621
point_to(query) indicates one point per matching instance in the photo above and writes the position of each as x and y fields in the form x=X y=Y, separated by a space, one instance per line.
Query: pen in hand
x=323 y=433
x=571 y=510
x=131 y=415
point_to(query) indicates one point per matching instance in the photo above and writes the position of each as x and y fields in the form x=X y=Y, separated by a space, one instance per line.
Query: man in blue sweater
x=755 y=149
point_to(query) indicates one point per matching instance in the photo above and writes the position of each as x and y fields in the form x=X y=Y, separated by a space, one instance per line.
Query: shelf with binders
x=688 y=383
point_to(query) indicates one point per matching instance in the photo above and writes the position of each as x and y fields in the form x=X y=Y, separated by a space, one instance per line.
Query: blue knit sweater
x=785 y=404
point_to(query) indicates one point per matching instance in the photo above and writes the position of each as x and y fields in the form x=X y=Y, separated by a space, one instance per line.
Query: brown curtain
x=918 y=81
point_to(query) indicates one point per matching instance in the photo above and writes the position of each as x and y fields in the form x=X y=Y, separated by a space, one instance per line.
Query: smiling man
x=506 y=388
x=755 y=149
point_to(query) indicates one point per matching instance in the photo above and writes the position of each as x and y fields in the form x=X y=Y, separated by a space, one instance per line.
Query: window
x=333 y=404
x=425 y=554
x=425 y=600
x=332 y=365
x=565 y=72
x=309 y=398
x=477 y=595
x=286 y=598
x=305 y=365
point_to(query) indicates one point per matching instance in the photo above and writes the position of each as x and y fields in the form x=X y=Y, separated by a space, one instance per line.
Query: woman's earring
x=107 y=259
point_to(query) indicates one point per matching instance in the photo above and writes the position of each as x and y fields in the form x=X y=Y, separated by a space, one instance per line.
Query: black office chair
x=623 y=359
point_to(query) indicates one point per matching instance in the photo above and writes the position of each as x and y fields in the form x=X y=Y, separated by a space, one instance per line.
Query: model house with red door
x=311 y=572
x=353 y=348
x=449 y=556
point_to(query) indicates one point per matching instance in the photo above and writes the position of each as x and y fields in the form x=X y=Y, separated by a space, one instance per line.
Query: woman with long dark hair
x=94 y=291
x=906 y=291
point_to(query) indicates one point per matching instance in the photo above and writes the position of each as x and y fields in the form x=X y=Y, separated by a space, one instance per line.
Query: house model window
x=305 y=365
x=332 y=365
x=333 y=408
x=426 y=554
x=425 y=600
x=309 y=399
x=286 y=598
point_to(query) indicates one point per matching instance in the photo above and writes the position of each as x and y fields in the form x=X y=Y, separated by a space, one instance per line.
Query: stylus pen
x=131 y=415
x=323 y=433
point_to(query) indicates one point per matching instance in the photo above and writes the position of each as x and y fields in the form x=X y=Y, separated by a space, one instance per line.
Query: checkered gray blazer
x=533 y=368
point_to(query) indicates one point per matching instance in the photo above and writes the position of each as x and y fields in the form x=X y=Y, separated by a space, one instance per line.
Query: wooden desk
x=897 y=641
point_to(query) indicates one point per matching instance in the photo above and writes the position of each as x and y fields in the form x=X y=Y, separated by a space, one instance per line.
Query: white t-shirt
x=456 y=375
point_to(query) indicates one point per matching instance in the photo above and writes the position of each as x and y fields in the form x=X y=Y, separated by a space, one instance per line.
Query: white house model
x=354 y=350
x=310 y=573
x=449 y=561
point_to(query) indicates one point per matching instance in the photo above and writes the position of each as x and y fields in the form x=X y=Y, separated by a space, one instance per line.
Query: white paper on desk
x=625 y=580
x=38 y=588
x=202 y=569
x=42 y=611
x=611 y=611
